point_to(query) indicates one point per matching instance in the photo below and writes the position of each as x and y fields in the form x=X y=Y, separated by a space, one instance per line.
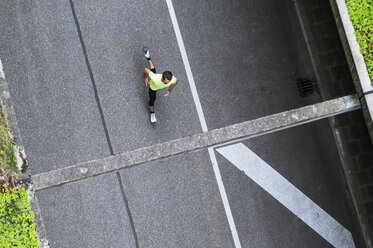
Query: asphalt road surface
x=74 y=71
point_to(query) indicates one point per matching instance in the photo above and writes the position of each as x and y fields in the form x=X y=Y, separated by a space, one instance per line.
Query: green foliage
x=16 y=220
x=361 y=14
x=8 y=161
x=8 y=158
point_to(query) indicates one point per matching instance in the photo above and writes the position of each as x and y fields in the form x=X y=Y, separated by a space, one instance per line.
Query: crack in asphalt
x=92 y=79
x=128 y=210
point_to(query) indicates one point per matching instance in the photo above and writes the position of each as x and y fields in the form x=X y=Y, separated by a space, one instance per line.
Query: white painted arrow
x=288 y=195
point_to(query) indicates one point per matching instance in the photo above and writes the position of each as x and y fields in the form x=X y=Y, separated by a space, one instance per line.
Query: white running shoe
x=152 y=118
x=147 y=53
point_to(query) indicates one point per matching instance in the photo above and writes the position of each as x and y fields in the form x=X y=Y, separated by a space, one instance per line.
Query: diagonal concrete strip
x=246 y=129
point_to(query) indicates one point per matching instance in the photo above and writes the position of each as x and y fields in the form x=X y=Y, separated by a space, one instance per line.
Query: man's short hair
x=167 y=74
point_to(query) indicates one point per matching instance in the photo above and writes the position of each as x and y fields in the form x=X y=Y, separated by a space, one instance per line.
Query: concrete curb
x=355 y=60
x=364 y=89
x=42 y=236
x=14 y=131
x=231 y=133
x=11 y=119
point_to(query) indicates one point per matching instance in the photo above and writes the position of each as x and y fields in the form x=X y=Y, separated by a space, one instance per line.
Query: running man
x=157 y=82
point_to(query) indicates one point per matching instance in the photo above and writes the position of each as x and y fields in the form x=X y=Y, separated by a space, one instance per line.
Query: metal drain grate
x=305 y=86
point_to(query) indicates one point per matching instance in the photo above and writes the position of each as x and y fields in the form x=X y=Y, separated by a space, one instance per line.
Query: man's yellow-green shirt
x=156 y=82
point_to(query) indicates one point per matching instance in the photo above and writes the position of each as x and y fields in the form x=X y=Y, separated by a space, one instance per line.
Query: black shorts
x=152 y=93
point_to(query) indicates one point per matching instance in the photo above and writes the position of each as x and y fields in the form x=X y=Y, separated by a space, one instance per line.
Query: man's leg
x=147 y=56
x=151 y=65
x=152 y=94
x=152 y=97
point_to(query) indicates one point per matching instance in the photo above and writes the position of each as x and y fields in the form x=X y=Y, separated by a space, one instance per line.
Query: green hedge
x=361 y=14
x=16 y=220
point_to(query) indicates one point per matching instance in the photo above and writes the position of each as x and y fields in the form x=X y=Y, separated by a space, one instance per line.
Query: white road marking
x=187 y=66
x=224 y=198
x=288 y=195
x=202 y=121
x=1 y=70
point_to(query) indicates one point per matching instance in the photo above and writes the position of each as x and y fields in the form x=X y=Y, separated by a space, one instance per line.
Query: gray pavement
x=175 y=202
x=261 y=80
x=115 y=33
x=50 y=85
x=88 y=213
x=244 y=57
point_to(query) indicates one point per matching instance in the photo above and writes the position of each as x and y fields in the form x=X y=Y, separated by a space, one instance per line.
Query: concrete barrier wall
x=355 y=60
x=357 y=151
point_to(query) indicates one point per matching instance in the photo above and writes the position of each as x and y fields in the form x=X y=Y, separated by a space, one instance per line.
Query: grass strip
x=17 y=227
x=361 y=14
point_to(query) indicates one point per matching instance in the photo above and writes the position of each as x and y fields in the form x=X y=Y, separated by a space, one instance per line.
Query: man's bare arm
x=170 y=89
x=146 y=73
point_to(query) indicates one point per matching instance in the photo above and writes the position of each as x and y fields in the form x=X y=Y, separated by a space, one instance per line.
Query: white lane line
x=1 y=70
x=224 y=198
x=288 y=195
x=187 y=66
x=202 y=121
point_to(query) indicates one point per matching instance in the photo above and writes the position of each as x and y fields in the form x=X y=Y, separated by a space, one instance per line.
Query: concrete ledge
x=247 y=129
x=355 y=60
x=42 y=235
x=11 y=120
